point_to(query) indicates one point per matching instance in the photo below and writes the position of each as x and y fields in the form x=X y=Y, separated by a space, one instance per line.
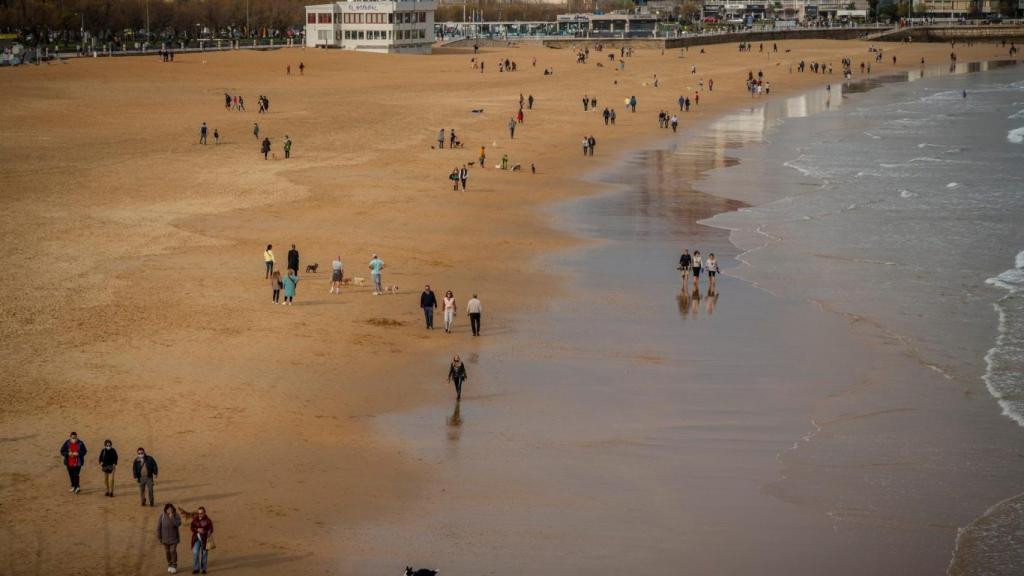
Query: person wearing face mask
x=202 y=531
x=167 y=533
x=73 y=451
x=144 y=470
x=108 y=464
x=457 y=375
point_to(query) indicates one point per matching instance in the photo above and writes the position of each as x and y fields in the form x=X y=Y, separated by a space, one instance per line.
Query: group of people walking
x=144 y=470
x=428 y=303
x=693 y=266
x=288 y=282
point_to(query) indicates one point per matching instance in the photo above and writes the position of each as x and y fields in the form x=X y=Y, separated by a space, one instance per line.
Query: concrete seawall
x=916 y=34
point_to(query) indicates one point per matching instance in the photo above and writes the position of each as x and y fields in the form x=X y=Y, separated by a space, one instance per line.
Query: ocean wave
x=1003 y=376
x=907 y=194
x=1016 y=135
x=953 y=185
x=1016 y=115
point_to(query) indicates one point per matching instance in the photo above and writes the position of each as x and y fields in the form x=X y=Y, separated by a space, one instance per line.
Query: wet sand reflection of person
x=712 y=301
x=455 y=423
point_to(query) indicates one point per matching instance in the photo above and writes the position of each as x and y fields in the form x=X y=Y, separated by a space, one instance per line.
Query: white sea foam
x=1016 y=135
x=1015 y=116
x=1001 y=376
x=953 y=185
x=907 y=194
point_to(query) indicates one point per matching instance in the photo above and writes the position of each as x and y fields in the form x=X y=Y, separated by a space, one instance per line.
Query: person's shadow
x=455 y=423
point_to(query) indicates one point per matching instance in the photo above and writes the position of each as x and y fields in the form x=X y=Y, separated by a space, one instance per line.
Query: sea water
x=904 y=208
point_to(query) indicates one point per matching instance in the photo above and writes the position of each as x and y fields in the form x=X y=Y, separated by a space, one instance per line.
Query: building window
x=423 y=16
x=391 y=18
x=311 y=18
x=323 y=18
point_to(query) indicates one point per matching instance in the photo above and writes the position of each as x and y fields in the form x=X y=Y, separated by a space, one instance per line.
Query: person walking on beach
x=227 y=101
x=675 y=122
x=256 y=130
x=474 y=308
x=275 y=285
x=696 y=266
x=167 y=533
x=529 y=102
x=73 y=451
x=632 y=103
x=287 y=147
x=440 y=139
x=454 y=177
x=452 y=138
x=268 y=259
x=512 y=128
x=216 y=136
x=337 y=273
x=202 y=531
x=591 y=144
x=428 y=301
x=449 y=306
x=376 y=266
x=606 y=115
x=463 y=176
x=302 y=68
x=108 y=465
x=293 y=259
x=586 y=145
x=289 y=283
x=457 y=375
x=241 y=104
x=712 y=266
x=202 y=133
x=483 y=156
x=685 y=261
x=265 y=148
x=611 y=116
x=144 y=470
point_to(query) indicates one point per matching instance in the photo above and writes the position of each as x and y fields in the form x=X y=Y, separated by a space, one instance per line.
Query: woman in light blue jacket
x=289 y=283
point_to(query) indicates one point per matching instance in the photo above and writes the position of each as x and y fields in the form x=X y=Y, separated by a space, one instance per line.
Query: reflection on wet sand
x=690 y=301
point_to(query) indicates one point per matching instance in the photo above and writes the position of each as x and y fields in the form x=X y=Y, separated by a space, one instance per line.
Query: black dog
x=312 y=267
x=421 y=572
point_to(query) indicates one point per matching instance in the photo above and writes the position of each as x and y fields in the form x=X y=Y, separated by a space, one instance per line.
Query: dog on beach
x=420 y=572
x=356 y=281
x=391 y=289
x=312 y=267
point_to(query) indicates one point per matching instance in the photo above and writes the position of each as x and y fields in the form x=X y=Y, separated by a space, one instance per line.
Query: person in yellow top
x=268 y=257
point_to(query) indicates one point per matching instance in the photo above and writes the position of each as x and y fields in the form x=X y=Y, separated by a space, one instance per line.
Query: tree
x=690 y=11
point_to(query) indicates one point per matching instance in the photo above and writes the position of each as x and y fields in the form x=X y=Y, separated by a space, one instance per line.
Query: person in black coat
x=73 y=450
x=144 y=471
x=293 y=260
x=428 y=302
x=108 y=464
x=457 y=375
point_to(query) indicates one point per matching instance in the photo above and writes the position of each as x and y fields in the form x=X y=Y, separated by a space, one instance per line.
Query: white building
x=372 y=26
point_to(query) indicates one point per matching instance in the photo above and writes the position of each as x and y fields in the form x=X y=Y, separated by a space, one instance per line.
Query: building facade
x=404 y=26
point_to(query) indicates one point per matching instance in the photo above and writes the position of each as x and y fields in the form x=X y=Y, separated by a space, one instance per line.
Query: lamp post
x=147 y=22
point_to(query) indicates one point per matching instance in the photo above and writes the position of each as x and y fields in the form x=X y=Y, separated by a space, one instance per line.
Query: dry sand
x=133 y=306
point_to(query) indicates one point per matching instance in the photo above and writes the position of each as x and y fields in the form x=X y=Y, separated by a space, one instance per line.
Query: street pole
x=247 y=18
x=147 y=22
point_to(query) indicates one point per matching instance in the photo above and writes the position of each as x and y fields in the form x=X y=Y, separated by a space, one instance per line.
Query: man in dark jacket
x=108 y=464
x=168 y=535
x=428 y=302
x=73 y=450
x=202 y=531
x=293 y=259
x=144 y=470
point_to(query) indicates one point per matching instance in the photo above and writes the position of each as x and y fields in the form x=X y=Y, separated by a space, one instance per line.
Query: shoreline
x=410 y=396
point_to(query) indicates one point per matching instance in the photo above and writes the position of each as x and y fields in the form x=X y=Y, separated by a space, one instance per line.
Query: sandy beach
x=134 y=311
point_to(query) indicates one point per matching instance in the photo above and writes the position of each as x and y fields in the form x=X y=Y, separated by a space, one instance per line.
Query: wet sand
x=135 y=311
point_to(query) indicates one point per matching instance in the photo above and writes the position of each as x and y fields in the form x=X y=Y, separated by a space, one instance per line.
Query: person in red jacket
x=202 y=530
x=73 y=450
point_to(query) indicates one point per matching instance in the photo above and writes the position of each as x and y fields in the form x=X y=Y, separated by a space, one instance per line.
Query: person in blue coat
x=289 y=282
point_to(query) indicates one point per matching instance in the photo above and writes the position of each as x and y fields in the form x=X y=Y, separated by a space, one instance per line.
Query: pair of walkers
x=428 y=302
x=144 y=467
x=694 y=266
x=167 y=533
